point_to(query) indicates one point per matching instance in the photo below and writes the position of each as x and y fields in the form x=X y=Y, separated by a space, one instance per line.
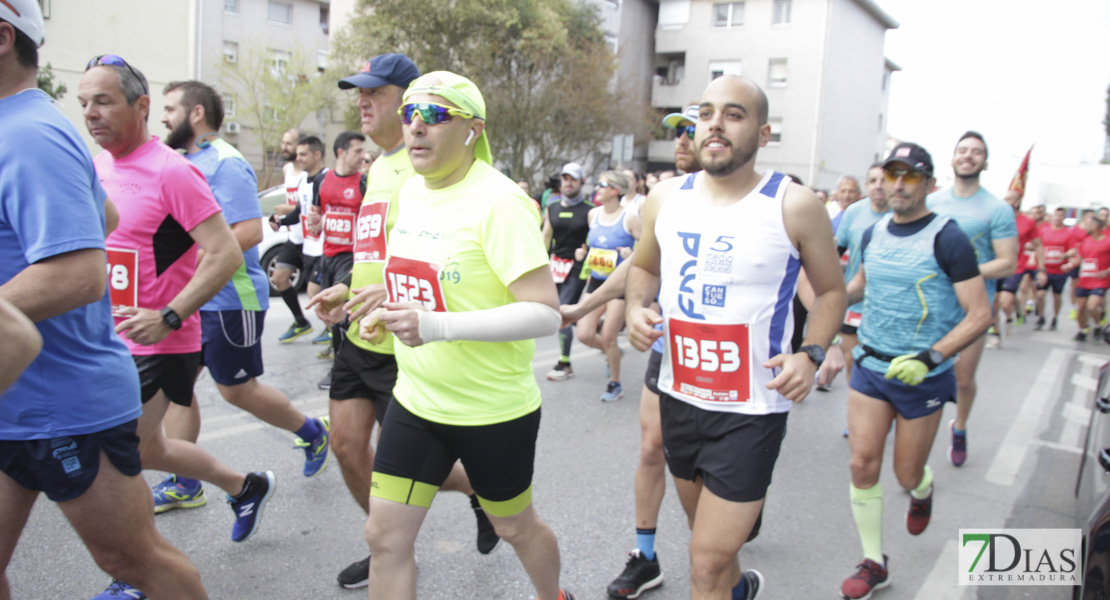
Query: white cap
x=24 y=15
x=573 y=169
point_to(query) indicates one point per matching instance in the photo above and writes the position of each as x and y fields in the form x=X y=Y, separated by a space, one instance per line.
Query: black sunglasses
x=112 y=60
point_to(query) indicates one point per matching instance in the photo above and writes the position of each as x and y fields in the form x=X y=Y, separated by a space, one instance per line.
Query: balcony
x=677 y=92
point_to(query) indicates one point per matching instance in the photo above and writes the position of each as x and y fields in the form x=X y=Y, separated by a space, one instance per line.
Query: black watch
x=171 y=319
x=931 y=358
x=816 y=353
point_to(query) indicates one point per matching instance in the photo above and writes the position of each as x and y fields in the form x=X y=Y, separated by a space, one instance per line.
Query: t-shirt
x=161 y=197
x=378 y=213
x=1094 y=255
x=51 y=203
x=307 y=191
x=949 y=247
x=853 y=222
x=235 y=186
x=1077 y=236
x=1056 y=243
x=983 y=218
x=338 y=201
x=457 y=249
x=1027 y=232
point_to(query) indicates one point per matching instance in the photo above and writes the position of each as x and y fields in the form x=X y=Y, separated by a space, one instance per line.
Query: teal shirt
x=982 y=216
x=855 y=220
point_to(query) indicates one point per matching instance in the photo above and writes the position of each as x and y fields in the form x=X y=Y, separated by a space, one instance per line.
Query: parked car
x=1092 y=495
x=273 y=240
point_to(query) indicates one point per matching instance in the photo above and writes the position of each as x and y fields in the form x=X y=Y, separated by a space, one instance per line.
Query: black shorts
x=360 y=373
x=1084 y=292
x=290 y=256
x=846 y=329
x=1074 y=273
x=64 y=468
x=1012 y=283
x=334 y=269
x=174 y=374
x=651 y=376
x=231 y=344
x=570 y=290
x=312 y=266
x=415 y=456
x=734 y=454
x=998 y=285
x=1056 y=282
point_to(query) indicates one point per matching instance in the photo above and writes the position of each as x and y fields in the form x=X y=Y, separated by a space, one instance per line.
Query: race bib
x=411 y=280
x=339 y=228
x=1030 y=260
x=1088 y=267
x=370 y=235
x=711 y=362
x=291 y=195
x=560 y=268
x=853 y=319
x=1054 y=255
x=308 y=234
x=845 y=259
x=602 y=261
x=123 y=284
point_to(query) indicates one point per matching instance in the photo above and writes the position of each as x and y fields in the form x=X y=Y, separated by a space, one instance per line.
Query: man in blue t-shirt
x=232 y=321
x=924 y=301
x=990 y=225
x=68 y=423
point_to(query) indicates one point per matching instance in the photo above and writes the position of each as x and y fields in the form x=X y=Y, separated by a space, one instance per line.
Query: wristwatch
x=171 y=319
x=816 y=353
x=931 y=358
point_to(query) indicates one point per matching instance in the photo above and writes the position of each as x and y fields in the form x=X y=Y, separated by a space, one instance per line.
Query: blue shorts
x=911 y=401
x=1056 y=282
x=65 y=467
x=1012 y=283
x=1083 y=292
x=231 y=344
x=1074 y=273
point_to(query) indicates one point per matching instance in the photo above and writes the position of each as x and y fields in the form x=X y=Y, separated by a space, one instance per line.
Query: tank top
x=603 y=241
x=340 y=198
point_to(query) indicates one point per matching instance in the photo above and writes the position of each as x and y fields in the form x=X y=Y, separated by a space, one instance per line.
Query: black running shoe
x=639 y=575
x=356 y=575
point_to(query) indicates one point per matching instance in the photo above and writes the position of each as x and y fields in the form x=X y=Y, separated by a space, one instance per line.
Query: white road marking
x=941 y=584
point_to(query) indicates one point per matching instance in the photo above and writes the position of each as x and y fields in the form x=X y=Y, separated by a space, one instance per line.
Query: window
x=611 y=39
x=231 y=52
x=723 y=67
x=782 y=12
x=728 y=15
x=229 y=105
x=279 y=61
x=776 y=73
x=280 y=12
x=776 y=130
x=325 y=16
x=231 y=6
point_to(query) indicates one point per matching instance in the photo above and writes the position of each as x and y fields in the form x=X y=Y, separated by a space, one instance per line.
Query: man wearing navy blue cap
x=364 y=373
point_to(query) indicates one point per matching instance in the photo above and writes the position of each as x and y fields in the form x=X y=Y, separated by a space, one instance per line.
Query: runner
x=1078 y=234
x=924 y=301
x=232 y=321
x=566 y=225
x=68 y=424
x=1056 y=239
x=166 y=212
x=609 y=243
x=289 y=258
x=1029 y=240
x=1094 y=276
x=989 y=224
x=724 y=248
x=310 y=158
x=365 y=373
x=467 y=265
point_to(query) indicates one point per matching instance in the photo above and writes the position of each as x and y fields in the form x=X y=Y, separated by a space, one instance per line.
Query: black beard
x=741 y=156
x=179 y=137
x=288 y=156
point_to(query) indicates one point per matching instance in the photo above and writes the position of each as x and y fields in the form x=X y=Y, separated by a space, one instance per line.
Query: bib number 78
x=707 y=355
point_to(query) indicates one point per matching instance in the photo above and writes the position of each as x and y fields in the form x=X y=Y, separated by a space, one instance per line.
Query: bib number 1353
x=411 y=280
x=710 y=362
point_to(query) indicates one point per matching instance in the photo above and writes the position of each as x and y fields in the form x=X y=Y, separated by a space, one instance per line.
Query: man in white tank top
x=726 y=265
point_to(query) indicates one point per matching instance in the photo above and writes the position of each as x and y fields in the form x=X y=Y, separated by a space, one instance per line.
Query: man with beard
x=289 y=259
x=724 y=247
x=232 y=321
x=989 y=224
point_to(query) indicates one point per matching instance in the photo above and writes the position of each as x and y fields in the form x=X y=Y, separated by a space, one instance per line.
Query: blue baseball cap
x=384 y=69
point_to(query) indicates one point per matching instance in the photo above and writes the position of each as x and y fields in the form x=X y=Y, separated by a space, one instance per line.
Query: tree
x=275 y=90
x=545 y=69
x=45 y=82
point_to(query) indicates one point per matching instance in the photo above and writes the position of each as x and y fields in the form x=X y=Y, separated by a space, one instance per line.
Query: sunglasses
x=430 y=112
x=604 y=184
x=688 y=130
x=909 y=176
x=112 y=60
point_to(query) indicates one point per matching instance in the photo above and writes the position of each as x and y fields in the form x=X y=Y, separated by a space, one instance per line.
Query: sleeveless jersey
x=728 y=275
x=909 y=302
x=603 y=241
x=313 y=242
x=293 y=179
x=340 y=197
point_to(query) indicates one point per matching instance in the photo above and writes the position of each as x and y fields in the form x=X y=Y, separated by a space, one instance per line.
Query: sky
x=1018 y=71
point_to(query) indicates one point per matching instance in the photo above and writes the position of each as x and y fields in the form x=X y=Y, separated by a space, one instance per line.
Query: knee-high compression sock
x=289 y=295
x=867 y=508
x=924 y=488
x=566 y=336
x=645 y=542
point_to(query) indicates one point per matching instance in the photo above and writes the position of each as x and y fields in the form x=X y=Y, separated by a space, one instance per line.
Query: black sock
x=294 y=304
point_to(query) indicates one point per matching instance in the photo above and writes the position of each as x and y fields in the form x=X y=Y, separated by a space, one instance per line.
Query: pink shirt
x=161 y=197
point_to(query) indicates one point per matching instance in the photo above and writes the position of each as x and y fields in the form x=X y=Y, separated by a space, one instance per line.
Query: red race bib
x=339 y=228
x=411 y=280
x=560 y=268
x=711 y=362
x=370 y=235
x=291 y=195
x=123 y=273
x=308 y=234
x=853 y=319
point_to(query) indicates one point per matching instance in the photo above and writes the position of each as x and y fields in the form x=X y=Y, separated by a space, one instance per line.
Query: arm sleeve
x=293 y=218
x=316 y=183
x=955 y=254
x=509 y=323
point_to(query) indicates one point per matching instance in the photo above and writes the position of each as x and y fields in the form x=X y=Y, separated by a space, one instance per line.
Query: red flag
x=1018 y=183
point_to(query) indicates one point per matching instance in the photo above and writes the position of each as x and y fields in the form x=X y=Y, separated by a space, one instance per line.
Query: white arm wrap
x=509 y=323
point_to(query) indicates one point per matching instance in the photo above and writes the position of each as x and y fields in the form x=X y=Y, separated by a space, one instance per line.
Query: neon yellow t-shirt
x=379 y=206
x=457 y=249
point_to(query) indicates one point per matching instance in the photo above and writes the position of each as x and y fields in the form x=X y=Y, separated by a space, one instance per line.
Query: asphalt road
x=1025 y=438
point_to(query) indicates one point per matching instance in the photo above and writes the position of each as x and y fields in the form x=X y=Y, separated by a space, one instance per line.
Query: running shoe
x=869 y=576
x=1040 y=324
x=171 y=493
x=1105 y=320
x=639 y=575
x=119 y=590
x=917 y=519
x=1053 y=325
x=613 y=391
x=1020 y=321
x=1081 y=336
x=487 y=535
x=1073 y=314
x=325 y=354
x=316 y=452
x=295 y=331
x=560 y=372
x=1097 y=331
x=356 y=575
x=324 y=337
x=1030 y=306
x=994 y=341
x=325 y=382
x=565 y=595
x=957 y=452
x=753 y=583
x=249 y=504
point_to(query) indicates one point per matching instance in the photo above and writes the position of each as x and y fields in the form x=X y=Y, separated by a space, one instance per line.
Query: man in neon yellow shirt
x=469 y=290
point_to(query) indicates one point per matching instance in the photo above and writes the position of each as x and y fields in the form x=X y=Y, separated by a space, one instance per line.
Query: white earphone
x=469 y=137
